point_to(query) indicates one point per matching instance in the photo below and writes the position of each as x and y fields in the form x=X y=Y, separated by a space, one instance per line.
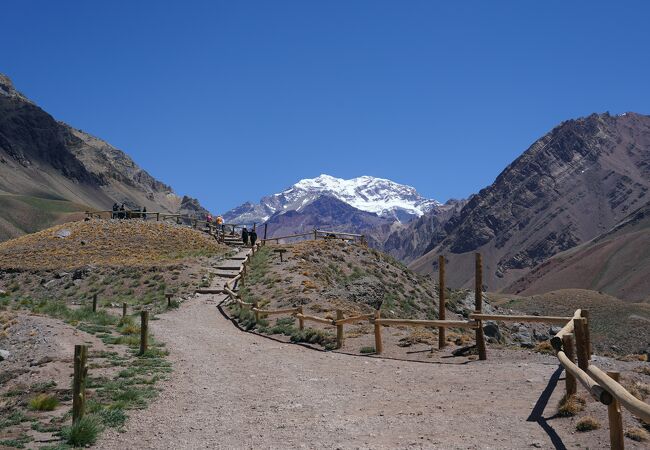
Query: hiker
x=219 y=220
x=115 y=208
x=244 y=235
x=144 y=213
x=208 y=218
x=122 y=213
x=253 y=237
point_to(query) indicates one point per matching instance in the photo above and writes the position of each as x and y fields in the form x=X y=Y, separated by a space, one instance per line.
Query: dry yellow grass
x=637 y=434
x=106 y=243
x=638 y=389
x=545 y=347
x=419 y=336
x=570 y=406
x=587 y=423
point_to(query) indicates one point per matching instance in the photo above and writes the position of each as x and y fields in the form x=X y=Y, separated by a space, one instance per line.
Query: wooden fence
x=318 y=234
x=226 y=233
x=604 y=387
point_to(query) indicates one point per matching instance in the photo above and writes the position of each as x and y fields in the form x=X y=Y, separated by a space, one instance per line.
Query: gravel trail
x=232 y=389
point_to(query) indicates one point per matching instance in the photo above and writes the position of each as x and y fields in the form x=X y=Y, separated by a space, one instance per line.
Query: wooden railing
x=226 y=232
x=319 y=234
x=604 y=387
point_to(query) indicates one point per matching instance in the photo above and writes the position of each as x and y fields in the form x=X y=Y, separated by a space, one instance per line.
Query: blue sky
x=228 y=101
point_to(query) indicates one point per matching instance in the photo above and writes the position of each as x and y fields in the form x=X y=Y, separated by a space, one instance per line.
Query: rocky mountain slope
x=616 y=263
x=48 y=165
x=408 y=241
x=571 y=185
x=332 y=214
x=378 y=196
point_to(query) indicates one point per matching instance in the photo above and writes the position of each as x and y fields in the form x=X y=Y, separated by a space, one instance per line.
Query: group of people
x=218 y=221
x=248 y=237
x=120 y=212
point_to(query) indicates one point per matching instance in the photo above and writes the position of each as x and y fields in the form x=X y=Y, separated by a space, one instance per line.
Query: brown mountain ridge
x=570 y=186
x=49 y=171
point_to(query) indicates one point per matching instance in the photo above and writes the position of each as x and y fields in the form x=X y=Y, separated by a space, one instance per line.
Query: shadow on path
x=537 y=414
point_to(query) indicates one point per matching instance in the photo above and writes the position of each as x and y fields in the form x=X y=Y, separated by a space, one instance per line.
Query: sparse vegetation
x=570 y=405
x=637 y=434
x=637 y=388
x=545 y=347
x=587 y=423
x=43 y=402
x=367 y=350
x=84 y=432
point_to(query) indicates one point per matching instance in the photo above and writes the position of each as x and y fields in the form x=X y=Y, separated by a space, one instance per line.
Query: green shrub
x=14 y=418
x=43 y=402
x=113 y=417
x=82 y=433
x=315 y=336
x=366 y=350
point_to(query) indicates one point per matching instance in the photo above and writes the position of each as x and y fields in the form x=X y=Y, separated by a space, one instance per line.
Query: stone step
x=209 y=291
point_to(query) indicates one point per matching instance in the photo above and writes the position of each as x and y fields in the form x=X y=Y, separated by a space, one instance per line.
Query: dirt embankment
x=106 y=243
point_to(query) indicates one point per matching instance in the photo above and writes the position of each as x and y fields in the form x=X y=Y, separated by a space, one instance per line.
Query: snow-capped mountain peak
x=375 y=195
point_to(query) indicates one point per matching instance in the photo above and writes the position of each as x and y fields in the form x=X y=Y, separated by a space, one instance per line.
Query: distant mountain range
x=384 y=198
x=50 y=172
x=571 y=211
x=565 y=192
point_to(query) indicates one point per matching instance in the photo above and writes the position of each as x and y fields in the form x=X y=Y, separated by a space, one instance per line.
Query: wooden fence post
x=265 y=227
x=478 y=306
x=567 y=345
x=157 y=217
x=144 y=332
x=94 y=302
x=257 y=313
x=339 y=329
x=441 y=301
x=301 y=321
x=123 y=310
x=79 y=382
x=378 y=344
x=315 y=236
x=582 y=349
x=585 y=314
x=616 y=437
x=169 y=300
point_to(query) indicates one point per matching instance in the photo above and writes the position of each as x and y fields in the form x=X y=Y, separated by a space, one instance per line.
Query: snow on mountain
x=375 y=195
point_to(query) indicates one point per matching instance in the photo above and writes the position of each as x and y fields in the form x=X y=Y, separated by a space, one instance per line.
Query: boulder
x=491 y=331
x=63 y=233
x=524 y=339
x=4 y=354
x=554 y=329
x=540 y=336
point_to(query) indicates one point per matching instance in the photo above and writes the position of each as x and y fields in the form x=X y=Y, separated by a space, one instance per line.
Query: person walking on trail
x=115 y=208
x=244 y=235
x=144 y=213
x=253 y=236
x=122 y=213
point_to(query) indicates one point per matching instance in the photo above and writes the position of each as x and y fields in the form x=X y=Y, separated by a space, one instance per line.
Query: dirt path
x=232 y=389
